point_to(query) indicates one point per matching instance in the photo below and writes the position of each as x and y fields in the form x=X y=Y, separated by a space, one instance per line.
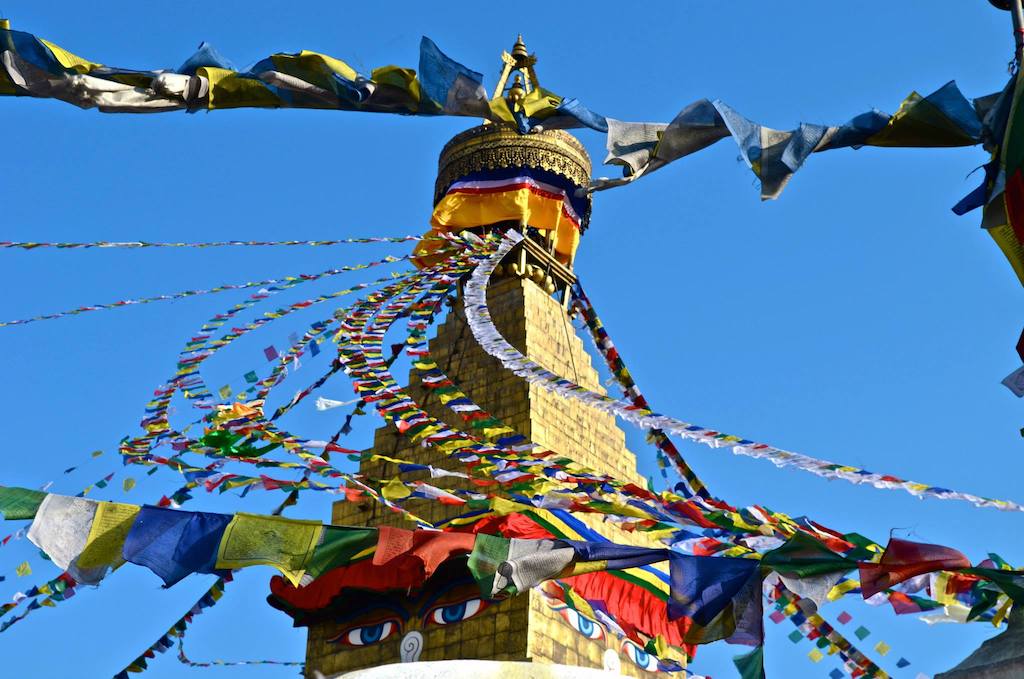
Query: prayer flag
x=795 y=636
x=20 y=503
x=530 y=562
x=815 y=655
x=903 y=560
x=395 y=490
x=941 y=119
x=128 y=484
x=23 y=569
x=882 y=648
x=61 y=527
x=285 y=544
x=418 y=552
x=339 y=547
x=807 y=567
x=270 y=352
x=111 y=524
x=750 y=665
x=1015 y=382
x=1003 y=212
x=225 y=392
x=488 y=552
x=721 y=595
x=702 y=587
x=251 y=377
x=173 y=543
x=456 y=89
x=862 y=633
x=844 y=618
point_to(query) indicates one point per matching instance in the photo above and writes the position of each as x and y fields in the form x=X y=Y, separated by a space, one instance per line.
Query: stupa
x=491 y=177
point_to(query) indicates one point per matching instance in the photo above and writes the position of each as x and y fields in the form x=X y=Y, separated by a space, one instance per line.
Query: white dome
x=476 y=669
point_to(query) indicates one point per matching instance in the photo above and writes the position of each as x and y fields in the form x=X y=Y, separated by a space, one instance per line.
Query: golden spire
x=525 y=81
x=519 y=52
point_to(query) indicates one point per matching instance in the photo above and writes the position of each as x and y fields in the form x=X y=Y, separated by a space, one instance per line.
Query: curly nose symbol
x=411 y=647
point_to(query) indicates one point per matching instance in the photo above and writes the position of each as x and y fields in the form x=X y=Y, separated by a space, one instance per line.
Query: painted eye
x=367 y=634
x=582 y=624
x=640 y=657
x=453 y=613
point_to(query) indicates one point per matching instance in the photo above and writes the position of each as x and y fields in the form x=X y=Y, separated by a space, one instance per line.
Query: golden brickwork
x=524 y=627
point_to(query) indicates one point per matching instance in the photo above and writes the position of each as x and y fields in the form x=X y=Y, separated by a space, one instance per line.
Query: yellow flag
x=109 y=528
x=23 y=569
x=815 y=655
x=285 y=544
x=395 y=490
x=128 y=484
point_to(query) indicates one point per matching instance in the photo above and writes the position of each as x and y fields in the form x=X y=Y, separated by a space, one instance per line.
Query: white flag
x=328 y=403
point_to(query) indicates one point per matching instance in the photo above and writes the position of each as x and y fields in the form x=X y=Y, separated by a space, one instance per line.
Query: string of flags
x=692 y=484
x=509 y=477
x=192 y=293
x=25 y=569
x=810 y=625
x=89 y=538
x=488 y=336
x=176 y=631
x=185 y=660
x=442 y=86
x=135 y=245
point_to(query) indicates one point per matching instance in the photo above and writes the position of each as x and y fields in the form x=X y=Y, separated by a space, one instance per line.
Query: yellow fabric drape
x=458 y=211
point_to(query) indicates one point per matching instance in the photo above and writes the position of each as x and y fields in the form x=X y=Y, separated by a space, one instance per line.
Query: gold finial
x=519 y=52
x=5 y=24
x=516 y=93
x=522 y=61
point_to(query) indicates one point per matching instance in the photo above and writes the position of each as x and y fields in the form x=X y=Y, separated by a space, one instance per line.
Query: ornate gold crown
x=496 y=146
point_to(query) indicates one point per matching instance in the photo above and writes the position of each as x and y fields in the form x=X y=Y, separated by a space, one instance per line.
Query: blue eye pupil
x=642 y=658
x=454 y=613
x=371 y=634
x=586 y=626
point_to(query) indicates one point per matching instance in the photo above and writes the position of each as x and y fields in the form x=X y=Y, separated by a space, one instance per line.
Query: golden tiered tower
x=527 y=303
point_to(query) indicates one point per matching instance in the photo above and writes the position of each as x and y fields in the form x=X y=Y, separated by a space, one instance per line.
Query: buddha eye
x=640 y=657
x=453 y=613
x=366 y=635
x=582 y=624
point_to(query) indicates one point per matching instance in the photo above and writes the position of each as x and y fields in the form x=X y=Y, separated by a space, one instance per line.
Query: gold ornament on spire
x=525 y=80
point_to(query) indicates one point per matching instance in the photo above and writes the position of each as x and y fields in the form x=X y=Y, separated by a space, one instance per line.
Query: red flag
x=903 y=560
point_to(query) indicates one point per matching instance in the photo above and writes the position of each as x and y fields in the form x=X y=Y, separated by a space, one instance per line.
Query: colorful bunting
x=488 y=336
x=30 y=245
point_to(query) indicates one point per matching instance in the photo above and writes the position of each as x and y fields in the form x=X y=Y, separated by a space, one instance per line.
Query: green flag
x=340 y=546
x=750 y=665
x=488 y=552
x=20 y=503
x=802 y=556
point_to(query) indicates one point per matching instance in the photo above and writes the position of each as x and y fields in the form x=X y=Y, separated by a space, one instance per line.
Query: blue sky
x=855 y=319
